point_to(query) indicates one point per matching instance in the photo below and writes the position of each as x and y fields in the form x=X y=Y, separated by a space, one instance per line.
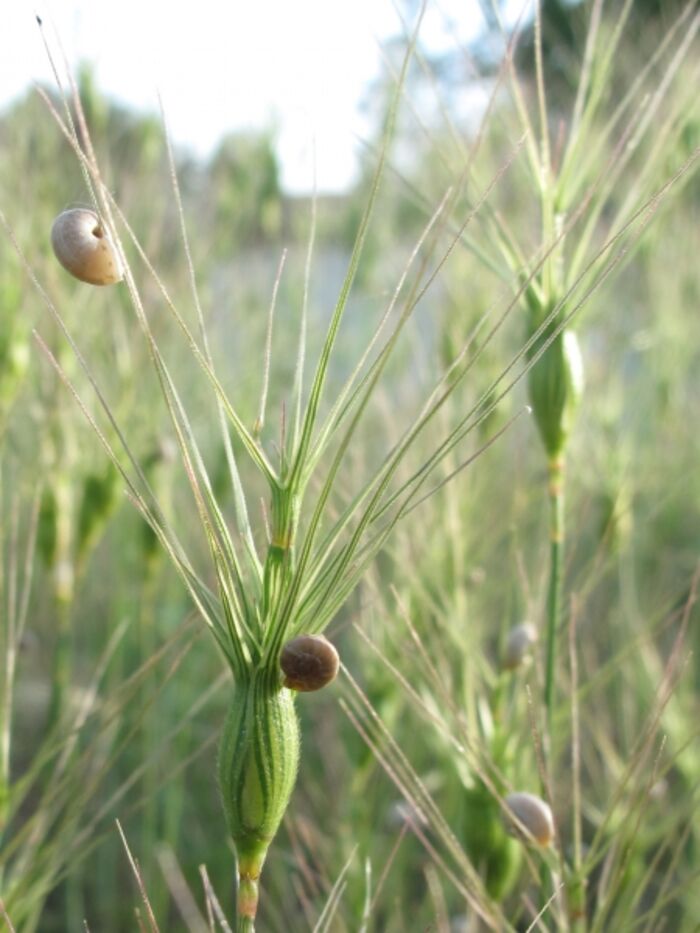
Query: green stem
x=556 y=557
x=556 y=560
x=245 y=925
x=150 y=725
x=576 y=898
x=62 y=659
x=63 y=573
x=248 y=892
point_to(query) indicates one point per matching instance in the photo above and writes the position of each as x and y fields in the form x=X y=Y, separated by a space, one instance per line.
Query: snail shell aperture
x=309 y=662
x=84 y=248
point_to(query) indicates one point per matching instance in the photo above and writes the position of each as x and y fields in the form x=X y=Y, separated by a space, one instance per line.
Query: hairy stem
x=245 y=925
x=248 y=894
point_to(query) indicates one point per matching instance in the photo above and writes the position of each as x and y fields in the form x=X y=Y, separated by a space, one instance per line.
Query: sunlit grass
x=365 y=468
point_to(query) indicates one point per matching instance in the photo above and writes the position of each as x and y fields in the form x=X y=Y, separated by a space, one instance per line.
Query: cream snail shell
x=518 y=645
x=84 y=248
x=309 y=662
x=532 y=814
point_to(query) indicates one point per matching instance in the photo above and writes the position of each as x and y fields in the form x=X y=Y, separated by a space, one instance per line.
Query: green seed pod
x=494 y=853
x=614 y=525
x=14 y=360
x=99 y=497
x=555 y=384
x=18 y=359
x=156 y=468
x=258 y=760
x=150 y=545
x=47 y=528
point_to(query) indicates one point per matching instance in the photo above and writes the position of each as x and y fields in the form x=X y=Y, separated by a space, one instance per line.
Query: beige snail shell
x=533 y=814
x=84 y=248
x=309 y=662
x=518 y=645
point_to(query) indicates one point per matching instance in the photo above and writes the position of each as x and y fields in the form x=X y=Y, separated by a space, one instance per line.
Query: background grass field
x=113 y=696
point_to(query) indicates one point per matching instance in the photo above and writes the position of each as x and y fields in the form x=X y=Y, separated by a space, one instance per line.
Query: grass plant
x=345 y=495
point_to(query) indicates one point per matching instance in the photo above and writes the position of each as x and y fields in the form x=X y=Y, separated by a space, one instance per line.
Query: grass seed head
x=555 y=385
x=258 y=762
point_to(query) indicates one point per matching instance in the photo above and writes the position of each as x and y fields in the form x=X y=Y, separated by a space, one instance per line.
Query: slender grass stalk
x=556 y=488
x=62 y=661
x=319 y=543
x=577 y=883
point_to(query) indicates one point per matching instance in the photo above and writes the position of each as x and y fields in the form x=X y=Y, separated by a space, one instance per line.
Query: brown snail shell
x=84 y=248
x=309 y=662
x=532 y=814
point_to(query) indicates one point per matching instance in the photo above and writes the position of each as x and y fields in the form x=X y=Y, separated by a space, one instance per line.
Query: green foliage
x=244 y=180
x=99 y=498
x=369 y=519
x=497 y=855
x=47 y=535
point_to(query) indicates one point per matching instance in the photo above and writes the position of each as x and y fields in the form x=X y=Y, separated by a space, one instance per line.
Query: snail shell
x=309 y=662
x=518 y=644
x=532 y=814
x=84 y=248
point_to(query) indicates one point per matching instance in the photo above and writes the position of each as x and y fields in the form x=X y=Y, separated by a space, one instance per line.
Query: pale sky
x=300 y=66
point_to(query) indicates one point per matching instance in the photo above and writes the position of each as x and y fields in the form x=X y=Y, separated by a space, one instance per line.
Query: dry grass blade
x=178 y=887
x=489 y=213
x=323 y=924
x=139 y=881
x=213 y=905
x=393 y=760
x=536 y=922
x=5 y=917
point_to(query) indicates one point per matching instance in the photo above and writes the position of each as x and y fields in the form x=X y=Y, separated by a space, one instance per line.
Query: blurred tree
x=564 y=25
x=244 y=179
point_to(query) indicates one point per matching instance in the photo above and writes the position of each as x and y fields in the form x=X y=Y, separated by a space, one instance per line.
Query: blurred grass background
x=118 y=700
